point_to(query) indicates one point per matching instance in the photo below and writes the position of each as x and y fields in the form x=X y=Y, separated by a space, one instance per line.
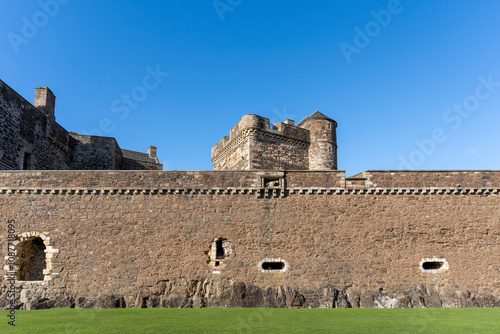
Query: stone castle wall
x=30 y=138
x=408 y=179
x=268 y=151
x=253 y=144
x=94 y=153
x=235 y=156
x=147 y=239
x=24 y=128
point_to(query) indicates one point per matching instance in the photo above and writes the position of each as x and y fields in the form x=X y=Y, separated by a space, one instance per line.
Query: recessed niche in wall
x=33 y=257
x=434 y=265
x=220 y=249
x=270 y=179
x=273 y=265
x=271 y=182
x=32 y=260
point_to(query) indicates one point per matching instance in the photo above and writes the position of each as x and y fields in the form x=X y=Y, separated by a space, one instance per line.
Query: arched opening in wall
x=434 y=265
x=32 y=260
x=32 y=257
x=273 y=265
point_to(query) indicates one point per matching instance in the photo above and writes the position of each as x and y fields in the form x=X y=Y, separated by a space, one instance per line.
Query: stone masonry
x=229 y=238
x=253 y=144
x=30 y=138
x=274 y=225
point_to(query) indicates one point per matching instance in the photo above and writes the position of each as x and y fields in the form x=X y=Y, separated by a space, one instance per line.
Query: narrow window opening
x=329 y=126
x=277 y=265
x=273 y=266
x=219 y=253
x=432 y=265
x=32 y=257
x=27 y=161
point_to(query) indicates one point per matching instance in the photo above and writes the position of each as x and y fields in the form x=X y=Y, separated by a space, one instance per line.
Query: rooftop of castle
x=47 y=145
x=315 y=115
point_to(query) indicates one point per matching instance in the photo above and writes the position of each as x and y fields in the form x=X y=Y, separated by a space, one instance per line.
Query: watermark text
x=31 y=26
x=11 y=273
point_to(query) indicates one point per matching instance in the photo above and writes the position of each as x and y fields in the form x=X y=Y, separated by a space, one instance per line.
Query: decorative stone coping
x=396 y=191
x=272 y=192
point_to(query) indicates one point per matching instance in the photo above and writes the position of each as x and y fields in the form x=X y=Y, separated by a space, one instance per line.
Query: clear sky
x=412 y=84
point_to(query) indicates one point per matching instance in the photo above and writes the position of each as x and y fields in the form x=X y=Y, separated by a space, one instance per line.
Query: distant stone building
x=30 y=138
x=253 y=144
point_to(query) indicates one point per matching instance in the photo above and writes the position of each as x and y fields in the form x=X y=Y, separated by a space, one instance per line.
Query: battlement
x=253 y=144
x=282 y=183
x=255 y=122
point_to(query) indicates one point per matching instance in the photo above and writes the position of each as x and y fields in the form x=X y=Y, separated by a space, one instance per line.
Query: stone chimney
x=289 y=122
x=152 y=151
x=45 y=101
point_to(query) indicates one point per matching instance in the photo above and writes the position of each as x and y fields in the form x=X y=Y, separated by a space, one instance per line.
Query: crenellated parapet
x=254 y=144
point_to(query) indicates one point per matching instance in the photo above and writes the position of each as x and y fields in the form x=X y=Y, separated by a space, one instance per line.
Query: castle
x=274 y=225
x=31 y=139
x=252 y=144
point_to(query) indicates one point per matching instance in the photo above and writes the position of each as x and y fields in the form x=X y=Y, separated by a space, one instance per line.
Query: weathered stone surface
x=30 y=138
x=82 y=302
x=239 y=294
x=110 y=302
x=344 y=249
x=255 y=144
x=255 y=238
x=40 y=304
x=64 y=303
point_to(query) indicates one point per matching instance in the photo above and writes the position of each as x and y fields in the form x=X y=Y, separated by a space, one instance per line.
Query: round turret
x=323 y=141
x=250 y=121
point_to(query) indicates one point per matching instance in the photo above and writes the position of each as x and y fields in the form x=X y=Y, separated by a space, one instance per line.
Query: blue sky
x=412 y=84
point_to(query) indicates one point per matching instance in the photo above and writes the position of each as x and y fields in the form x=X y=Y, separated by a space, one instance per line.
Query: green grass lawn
x=269 y=321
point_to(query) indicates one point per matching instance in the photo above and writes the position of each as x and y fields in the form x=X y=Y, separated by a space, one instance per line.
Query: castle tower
x=323 y=141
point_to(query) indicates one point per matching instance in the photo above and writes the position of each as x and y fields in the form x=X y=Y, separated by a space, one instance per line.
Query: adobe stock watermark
x=363 y=37
x=256 y=319
x=128 y=101
x=281 y=116
x=85 y=319
x=11 y=272
x=223 y=6
x=453 y=116
x=31 y=26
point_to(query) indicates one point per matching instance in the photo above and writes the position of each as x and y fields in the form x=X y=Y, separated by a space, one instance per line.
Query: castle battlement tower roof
x=254 y=144
x=315 y=115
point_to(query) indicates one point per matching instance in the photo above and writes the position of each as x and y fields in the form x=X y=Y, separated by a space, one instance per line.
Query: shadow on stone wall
x=225 y=293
